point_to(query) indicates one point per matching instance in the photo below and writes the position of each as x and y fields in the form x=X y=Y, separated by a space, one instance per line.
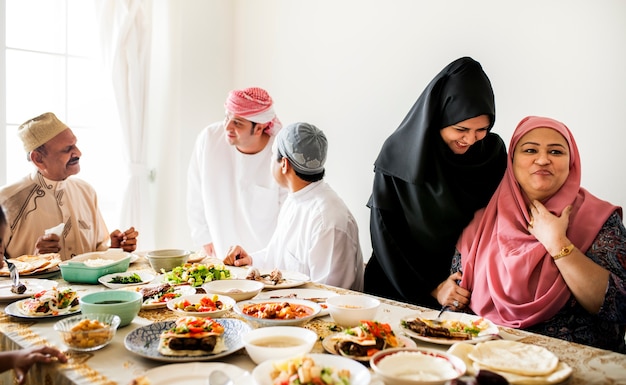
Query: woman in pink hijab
x=545 y=254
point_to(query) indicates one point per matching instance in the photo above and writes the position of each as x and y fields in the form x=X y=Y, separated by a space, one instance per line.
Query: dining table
x=115 y=364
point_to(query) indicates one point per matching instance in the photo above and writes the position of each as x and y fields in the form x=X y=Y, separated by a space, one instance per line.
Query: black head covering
x=427 y=190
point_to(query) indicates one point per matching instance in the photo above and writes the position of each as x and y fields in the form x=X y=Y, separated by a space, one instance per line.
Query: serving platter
x=33 y=286
x=489 y=332
x=144 y=341
x=195 y=373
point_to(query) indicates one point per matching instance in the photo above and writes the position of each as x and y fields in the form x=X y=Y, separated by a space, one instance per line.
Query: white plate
x=329 y=346
x=144 y=341
x=316 y=308
x=195 y=373
x=227 y=303
x=145 y=278
x=290 y=279
x=308 y=294
x=359 y=374
x=133 y=258
x=487 y=334
x=33 y=286
x=182 y=290
x=14 y=310
x=196 y=257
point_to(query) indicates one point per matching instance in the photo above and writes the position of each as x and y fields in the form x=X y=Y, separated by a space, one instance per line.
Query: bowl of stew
x=278 y=312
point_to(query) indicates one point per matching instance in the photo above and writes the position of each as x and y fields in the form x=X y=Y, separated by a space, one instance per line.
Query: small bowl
x=350 y=309
x=227 y=304
x=279 y=342
x=237 y=289
x=167 y=259
x=313 y=310
x=123 y=303
x=79 y=334
x=416 y=366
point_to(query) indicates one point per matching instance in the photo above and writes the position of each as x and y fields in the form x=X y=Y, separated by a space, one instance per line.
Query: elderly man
x=316 y=234
x=231 y=194
x=51 y=196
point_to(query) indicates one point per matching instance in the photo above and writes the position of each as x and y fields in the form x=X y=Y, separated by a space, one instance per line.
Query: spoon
x=218 y=377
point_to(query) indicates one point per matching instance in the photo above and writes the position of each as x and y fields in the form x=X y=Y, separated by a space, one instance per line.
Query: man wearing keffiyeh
x=232 y=196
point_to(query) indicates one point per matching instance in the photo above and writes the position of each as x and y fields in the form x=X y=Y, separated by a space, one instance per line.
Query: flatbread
x=30 y=264
x=514 y=357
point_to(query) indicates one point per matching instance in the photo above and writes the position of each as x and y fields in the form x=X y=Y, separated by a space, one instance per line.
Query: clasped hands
x=127 y=241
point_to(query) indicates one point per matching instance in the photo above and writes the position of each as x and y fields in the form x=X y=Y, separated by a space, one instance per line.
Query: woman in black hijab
x=439 y=167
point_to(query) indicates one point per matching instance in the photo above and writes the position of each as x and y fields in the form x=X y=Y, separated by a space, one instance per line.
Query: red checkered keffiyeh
x=254 y=104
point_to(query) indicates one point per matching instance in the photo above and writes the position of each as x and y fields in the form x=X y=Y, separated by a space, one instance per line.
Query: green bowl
x=81 y=270
x=123 y=303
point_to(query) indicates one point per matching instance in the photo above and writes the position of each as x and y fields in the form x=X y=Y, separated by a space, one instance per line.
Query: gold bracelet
x=565 y=251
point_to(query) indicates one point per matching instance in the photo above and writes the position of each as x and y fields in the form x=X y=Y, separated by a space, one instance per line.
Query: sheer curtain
x=125 y=31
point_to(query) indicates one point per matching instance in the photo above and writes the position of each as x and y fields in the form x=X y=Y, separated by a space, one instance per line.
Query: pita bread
x=31 y=264
x=514 y=357
x=463 y=349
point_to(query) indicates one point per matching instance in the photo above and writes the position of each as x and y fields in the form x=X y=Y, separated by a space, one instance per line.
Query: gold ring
x=530 y=224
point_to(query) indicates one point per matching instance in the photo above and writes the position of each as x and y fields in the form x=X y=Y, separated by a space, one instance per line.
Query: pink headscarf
x=256 y=105
x=513 y=279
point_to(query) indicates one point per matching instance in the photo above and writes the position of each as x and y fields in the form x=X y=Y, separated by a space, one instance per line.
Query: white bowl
x=269 y=318
x=227 y=304
x=279 y=342
x=416 y=366
x=237 y=289
x=167 y=259
x=350 y=309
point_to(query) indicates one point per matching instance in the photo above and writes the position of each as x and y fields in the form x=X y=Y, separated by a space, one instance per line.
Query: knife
x=17 y=287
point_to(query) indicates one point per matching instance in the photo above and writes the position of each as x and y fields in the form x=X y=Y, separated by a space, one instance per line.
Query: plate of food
x=34 y=265
x=277 y=279
x=318 y=296
x=187 y=339
x=278 y=312
x=361 y=342
x=157 y=296
x=193 y=373
x=33 y=286
x=126 y=279
x=201 y=305
x=450 y=328
x=195 y=274
x=49 y=303
x=341 y=369
x=518 y=362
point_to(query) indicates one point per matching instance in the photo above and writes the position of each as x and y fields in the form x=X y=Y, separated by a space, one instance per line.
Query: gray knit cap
x=304 y=145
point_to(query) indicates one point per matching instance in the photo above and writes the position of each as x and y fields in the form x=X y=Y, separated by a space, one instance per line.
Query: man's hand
x=48 y=243
x=127 y=240
x=237 y=256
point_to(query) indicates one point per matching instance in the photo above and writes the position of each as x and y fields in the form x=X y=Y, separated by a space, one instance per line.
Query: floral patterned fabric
x=573 y=323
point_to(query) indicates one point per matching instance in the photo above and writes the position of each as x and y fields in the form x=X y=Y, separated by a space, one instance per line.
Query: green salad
x=196 y=274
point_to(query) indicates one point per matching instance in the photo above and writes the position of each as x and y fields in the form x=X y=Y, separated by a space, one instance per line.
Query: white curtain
x=125 y=31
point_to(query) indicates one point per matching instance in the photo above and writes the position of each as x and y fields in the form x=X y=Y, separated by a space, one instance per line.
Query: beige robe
x=35 y=204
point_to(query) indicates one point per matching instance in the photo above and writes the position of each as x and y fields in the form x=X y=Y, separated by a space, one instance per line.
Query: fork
x=438 y=319
x=17 y=287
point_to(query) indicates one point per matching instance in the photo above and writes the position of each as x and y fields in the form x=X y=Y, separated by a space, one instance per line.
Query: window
x=52 y=63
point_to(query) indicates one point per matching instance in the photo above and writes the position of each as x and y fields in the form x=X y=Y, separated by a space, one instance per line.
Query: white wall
x=355 y=67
